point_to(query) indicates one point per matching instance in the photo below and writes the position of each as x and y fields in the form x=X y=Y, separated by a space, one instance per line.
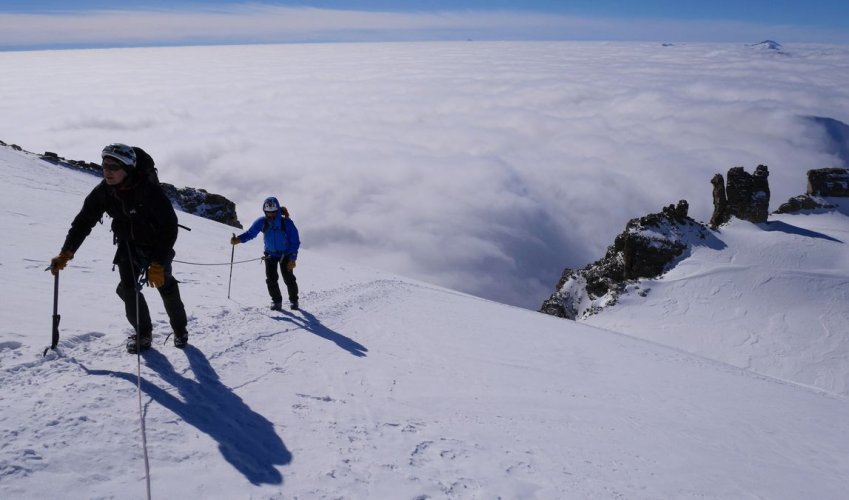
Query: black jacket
x=141 y=215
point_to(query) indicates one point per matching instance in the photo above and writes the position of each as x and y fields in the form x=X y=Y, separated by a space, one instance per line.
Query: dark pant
x=271 y=277
x=130 y=271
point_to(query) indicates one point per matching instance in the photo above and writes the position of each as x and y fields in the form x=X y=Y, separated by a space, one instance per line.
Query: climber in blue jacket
x=281 y=248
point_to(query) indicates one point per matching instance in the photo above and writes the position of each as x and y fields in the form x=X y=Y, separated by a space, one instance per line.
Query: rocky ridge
x=194 y=201
x=651 y=245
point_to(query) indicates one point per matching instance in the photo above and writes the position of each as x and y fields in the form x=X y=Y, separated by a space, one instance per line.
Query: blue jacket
x=280 y=235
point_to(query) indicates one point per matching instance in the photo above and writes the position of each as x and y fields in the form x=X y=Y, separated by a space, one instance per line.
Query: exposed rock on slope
x=823 y=183
x=651 y=245
x=645 y=249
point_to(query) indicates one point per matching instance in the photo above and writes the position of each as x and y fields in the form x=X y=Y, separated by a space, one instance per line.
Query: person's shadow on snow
x=311 y=324
x=246 y=439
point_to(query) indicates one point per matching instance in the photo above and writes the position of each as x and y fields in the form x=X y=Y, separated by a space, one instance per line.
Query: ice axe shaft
x=56 y=317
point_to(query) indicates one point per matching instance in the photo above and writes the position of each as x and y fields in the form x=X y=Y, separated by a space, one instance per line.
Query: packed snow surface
x=770 y=298
x=382 y=386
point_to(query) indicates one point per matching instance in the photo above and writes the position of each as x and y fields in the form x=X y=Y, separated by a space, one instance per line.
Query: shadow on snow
x=791 y=229
x=311 y=324
x=246 y=439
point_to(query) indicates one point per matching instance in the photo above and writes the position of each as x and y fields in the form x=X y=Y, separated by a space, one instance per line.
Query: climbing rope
x=141 y=419
x=138 y=387
x=216 y=264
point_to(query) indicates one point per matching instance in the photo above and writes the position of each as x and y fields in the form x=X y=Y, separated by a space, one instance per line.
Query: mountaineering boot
x=134 y=346
x=294 y=306
x=276 y=306
x=181 y=339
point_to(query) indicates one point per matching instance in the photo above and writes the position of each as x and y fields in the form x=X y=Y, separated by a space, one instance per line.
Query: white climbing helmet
x=121 y=152
x=270 y=205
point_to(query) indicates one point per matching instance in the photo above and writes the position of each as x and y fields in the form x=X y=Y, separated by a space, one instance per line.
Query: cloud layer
x=485 y=167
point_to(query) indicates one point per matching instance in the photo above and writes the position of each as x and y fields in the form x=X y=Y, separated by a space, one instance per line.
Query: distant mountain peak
x=768 y=45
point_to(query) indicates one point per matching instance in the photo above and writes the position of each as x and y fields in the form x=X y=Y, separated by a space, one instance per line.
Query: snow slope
x=770 y=298
x=382 y=387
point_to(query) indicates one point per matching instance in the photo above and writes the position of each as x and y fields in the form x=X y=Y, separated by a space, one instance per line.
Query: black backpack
x=145 y=166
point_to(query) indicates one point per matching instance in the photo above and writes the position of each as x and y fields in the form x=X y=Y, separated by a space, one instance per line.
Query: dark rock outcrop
x=748 y=194
x=651 y=245
x=720 y=203
x=822 y=183
x=201 y=203
x=645 y=249
x=828 y=182
x=759 y=209
x=801 y=203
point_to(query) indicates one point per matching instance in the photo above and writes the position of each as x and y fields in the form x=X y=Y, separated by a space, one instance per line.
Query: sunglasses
x=112 y=166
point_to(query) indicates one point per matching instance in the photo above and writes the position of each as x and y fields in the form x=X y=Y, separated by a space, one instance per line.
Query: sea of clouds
x=486 y=167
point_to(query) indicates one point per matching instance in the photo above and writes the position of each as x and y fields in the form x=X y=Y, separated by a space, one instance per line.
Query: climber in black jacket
x=144 y=228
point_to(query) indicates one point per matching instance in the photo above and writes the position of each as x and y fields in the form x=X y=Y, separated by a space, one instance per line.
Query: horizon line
x=254 y=24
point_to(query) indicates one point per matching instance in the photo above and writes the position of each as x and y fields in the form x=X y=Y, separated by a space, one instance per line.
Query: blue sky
x=26 y=24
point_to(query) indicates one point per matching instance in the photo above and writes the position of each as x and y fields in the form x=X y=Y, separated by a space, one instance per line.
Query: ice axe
x=55 y=340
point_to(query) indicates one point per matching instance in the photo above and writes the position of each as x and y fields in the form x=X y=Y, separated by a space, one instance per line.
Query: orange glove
x=155 y=275
x=60 y=261
x=235 y=241
x=290 y=265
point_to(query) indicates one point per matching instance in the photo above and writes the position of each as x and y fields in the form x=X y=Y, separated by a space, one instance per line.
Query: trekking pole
x=232 y=253
x=55 y=340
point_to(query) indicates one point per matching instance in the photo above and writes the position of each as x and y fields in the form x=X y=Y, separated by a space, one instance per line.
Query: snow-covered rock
x=647 y=247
